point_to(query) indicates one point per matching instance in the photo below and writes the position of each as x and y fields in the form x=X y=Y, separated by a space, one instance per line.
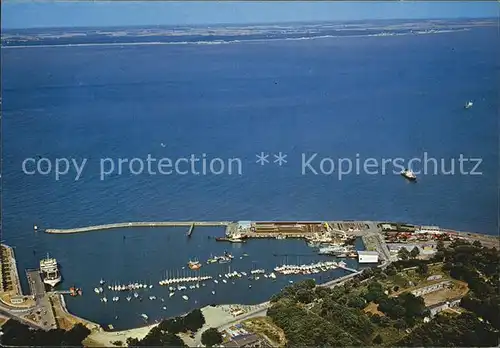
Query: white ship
x=333 y=250
x=408 y=174
x=468 y=105
x=50 y=271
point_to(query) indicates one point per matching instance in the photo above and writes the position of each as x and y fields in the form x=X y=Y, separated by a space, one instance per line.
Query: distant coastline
x=229 y=34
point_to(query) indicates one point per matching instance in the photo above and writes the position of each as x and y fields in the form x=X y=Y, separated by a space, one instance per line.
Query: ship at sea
x=408 y=174
x=50 y=271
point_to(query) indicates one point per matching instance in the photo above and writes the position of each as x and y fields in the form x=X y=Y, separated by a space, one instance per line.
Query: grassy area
x=390 y=335
x=264 y=326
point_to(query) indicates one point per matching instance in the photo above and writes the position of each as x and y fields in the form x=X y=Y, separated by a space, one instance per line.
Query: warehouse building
x=367 y=256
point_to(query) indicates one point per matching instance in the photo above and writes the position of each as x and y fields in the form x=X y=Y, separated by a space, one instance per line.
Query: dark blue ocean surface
x=342 y=97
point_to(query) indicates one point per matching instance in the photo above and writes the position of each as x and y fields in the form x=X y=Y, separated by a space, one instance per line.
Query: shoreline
x=212 y=317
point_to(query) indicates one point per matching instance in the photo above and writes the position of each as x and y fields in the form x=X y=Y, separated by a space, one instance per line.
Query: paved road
x=17 y=316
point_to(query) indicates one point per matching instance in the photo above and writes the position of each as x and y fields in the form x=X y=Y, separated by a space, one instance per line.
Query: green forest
x=311 y=315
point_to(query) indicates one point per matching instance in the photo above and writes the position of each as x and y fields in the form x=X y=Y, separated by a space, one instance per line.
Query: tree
x=304 y=296
x=423 y=268
x=377 y=339
x=211 y=337
x=356 y=302
x=414 y=252
x=18 y=334
x=194 y=320
x=440 y=246
x=399 y=324
x=403 y=254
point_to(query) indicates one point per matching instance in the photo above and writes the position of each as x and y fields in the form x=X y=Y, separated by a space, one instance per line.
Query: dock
x=47 y=317
x=138 y=224
x=352 y=270
x=37 y=288
x=190 y=231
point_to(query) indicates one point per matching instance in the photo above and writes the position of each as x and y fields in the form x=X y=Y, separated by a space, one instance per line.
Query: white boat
x=216 y=281
x=225 y=281
x=213 y=292
x=129 y=298
x=151 y=286
x=136 y=295
x=144 y=316
x=164 y=308
x=50 y=271
x=334 y=250
x=408 y=174
x=171 y=294
x=185 y=297
x=96 y=290
x=104 y=299
x=101 y=290
x=152 y=298
x=468 y=105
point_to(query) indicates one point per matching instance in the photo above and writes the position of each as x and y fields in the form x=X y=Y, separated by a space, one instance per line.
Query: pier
x=190 y=231
x=352 y=270
x=138 y=224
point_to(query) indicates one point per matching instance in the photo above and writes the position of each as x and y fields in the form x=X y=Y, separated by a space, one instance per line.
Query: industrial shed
x=367 y=256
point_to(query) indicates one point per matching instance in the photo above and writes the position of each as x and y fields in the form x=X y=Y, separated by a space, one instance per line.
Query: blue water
x=381 y=97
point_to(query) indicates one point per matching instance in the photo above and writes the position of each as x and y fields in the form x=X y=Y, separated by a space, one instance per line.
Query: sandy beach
x=106 y=338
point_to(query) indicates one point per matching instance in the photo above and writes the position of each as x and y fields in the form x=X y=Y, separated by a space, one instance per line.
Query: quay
x=138 y=224
x=40 y=309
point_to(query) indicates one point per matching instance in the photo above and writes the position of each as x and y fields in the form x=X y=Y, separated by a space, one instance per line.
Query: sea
x=273 y=114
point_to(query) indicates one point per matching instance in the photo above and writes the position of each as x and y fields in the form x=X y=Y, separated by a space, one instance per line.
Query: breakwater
x=189 y=224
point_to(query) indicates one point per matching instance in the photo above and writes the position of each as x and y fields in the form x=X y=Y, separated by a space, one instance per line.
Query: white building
x=431 y=288
x=367 y=257
x=429 y=229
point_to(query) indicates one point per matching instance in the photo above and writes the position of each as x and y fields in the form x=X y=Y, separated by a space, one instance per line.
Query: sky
x=39 y=14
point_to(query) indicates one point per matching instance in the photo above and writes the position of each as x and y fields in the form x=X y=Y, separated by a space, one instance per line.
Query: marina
x=213 y=272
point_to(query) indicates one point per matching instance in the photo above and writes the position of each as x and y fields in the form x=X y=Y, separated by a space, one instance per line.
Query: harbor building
x=424 y=248
x=367 y=256
x=439 y=307
x=429 y=229
x=431 y=288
